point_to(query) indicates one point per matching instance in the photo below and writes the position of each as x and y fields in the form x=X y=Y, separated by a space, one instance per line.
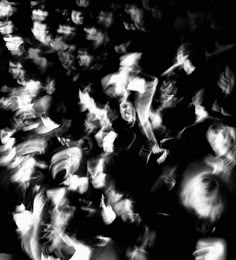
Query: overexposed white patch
x=137 y=84
x=211 y=249
x=13 y=43
x=108 y=141
x=82 y=251
x=23 y=220
x=77 y=183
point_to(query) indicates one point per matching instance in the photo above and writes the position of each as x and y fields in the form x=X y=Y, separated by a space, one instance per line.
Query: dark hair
x=7 y=118
x=195 y=52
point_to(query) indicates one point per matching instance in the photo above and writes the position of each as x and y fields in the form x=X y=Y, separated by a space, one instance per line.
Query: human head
x=83 y=3
x=221 y=138
x=96 y=171
x=96 y=35
x=127 y=112
x=84 y=58
x=202 y=193
x=16 y=70
x=78 y=16
x=105 y=17
x=40 y=31
x=6 y=10
x=39 y=14
x=122 y=204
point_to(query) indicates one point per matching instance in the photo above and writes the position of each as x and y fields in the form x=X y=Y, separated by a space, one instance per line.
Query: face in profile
x=17 y=71
x=122 y=206
x=77 y=17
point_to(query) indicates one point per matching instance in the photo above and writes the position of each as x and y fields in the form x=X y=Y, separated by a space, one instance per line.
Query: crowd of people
x=117 y=130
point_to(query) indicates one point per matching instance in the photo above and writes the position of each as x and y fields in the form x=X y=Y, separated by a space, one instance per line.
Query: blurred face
x=129 y=62
x=65 y=29
x=79 y=184
x=84 y=58
x=62 y=211
x=94 y=35
x=77 y=17
x=123 y=207
x=220 y=140
x=17 y=71
x=6 y=10
x=127 y=112
x=106 y=19
x=42 y=104
x=96 y=173
x=168 y=91
x=82 y=3
x=136 y=15
x=14 y=44
x=51 y=86
x=40 y=31
x=196 y=17
x=5 y=135
x=39 y=15
x=6 y=27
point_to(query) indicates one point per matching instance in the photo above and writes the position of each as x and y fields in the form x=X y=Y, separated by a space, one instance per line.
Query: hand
x=108 y=142
x=163 y=156
x=108 y=215
x=64 y=141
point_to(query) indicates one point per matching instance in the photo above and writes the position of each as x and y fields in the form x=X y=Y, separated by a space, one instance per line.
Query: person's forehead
x=78 y=12
x=95 y=162
x=105 y=13
x=15 y=64
x=39 y=10
x=92 y=29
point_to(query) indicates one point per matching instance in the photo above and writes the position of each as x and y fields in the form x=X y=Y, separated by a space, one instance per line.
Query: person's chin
x=98 y=185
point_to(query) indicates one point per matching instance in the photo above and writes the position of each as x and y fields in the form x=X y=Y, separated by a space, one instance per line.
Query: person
x=199 y=208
